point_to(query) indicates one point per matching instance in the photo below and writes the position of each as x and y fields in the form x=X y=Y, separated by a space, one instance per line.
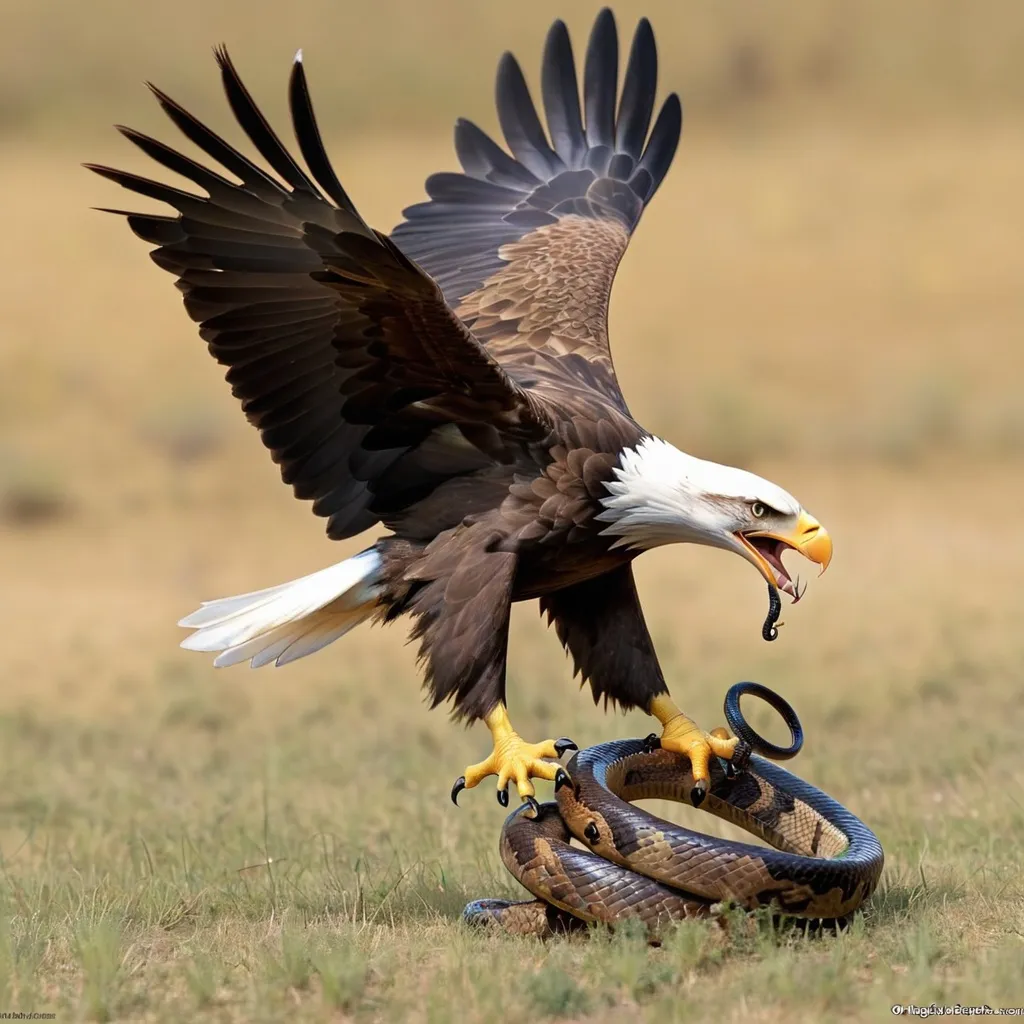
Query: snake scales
x=824 y=864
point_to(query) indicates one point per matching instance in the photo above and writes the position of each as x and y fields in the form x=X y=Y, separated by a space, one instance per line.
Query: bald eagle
x=453 y=381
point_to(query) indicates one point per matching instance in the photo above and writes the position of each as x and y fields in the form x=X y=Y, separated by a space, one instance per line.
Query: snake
x=821 y=863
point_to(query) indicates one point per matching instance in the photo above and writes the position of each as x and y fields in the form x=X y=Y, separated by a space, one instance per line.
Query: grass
x=170 y=864
x=236 y=846
x=836 y=305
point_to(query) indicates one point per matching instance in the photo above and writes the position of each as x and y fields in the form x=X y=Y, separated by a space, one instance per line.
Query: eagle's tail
x=289 y=621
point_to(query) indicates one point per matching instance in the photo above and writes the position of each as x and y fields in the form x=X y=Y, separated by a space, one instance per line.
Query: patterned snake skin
x=824 y=864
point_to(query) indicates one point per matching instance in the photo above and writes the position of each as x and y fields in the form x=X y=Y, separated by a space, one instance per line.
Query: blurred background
x=826 y=290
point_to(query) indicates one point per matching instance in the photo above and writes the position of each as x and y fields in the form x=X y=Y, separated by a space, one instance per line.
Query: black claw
x=534 y=806
x=562 y=778
x=652 y=742
x=699 y=791
x=564 y=744
x=503 y=797
x=591 y=833
x=730 y=770
x=460 y=785
x=740 y=756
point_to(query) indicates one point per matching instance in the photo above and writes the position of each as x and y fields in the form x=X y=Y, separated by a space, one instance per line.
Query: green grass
x=178 y=856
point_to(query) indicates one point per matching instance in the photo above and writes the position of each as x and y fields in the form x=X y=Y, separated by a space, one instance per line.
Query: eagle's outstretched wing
x=526 y=246
x=342 y=351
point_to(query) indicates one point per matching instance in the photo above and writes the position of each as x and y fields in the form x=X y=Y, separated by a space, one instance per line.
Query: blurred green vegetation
x=409 y=64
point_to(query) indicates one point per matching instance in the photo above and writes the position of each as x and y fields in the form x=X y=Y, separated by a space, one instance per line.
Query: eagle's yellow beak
x=764 y=548
x=810 y=538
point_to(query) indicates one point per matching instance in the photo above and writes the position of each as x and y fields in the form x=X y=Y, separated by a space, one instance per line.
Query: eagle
x=453 y=381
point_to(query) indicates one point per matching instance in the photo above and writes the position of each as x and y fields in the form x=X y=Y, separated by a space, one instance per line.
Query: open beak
x=764 y=549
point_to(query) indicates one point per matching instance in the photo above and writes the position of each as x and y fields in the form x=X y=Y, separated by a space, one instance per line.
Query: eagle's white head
x=661 y=495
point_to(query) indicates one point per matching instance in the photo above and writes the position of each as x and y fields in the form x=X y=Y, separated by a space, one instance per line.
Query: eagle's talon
x=562 y=778
x=651 y=742
x=740 y=758
x=682 y=736
x=564 y=744
x=534 y=811
x=513 y=759
x=460 y=785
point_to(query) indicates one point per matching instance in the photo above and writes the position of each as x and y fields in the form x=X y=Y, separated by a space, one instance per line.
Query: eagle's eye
x=758 y=509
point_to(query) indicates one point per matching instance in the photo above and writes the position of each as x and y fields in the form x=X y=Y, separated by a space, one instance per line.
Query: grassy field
x=832 y=301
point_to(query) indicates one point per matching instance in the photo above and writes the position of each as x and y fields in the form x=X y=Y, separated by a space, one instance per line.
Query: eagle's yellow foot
x=513 y=759
x=682 y=735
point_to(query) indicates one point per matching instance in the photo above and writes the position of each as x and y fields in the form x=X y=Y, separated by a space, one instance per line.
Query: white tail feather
x=289 y=621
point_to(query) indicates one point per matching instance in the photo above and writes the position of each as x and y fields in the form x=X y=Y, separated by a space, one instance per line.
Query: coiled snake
x=824 y=864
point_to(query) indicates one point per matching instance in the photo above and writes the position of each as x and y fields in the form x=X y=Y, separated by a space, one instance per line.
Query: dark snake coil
x=825 y=863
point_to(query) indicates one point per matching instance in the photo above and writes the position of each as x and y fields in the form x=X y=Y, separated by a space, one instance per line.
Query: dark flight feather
x=542 y=228
x=258 y=129
x=600 y=81
x=255 y=179
x=561 y=96
x=638 y=89
x=342 y=352
x=307 y=132
x=520 y=123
